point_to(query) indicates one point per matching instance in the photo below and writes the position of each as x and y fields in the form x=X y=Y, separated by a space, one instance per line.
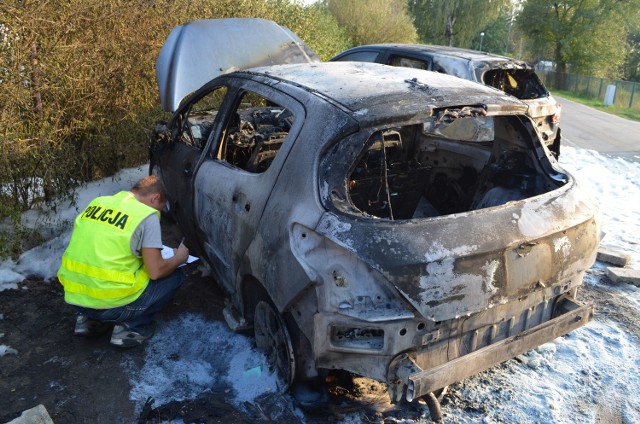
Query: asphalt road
x=590 y=128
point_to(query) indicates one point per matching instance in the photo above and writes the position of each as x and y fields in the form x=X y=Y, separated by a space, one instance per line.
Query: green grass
x=627 y=113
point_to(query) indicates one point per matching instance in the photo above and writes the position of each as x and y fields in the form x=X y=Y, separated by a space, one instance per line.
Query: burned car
x=512 y=76
x=399 y=224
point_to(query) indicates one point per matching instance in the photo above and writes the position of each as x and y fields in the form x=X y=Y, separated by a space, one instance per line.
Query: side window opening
x=254 y=134
x=360 y=56
x=197 y=122
x=407 y=62
x=457 y=68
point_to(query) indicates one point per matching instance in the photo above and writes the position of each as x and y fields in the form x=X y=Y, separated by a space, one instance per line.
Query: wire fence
x=626 y=94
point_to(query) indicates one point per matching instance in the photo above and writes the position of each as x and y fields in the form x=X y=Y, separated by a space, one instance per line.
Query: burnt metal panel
x=197 y=52
x=464 y=263
x=421 y=382
x=378 y=92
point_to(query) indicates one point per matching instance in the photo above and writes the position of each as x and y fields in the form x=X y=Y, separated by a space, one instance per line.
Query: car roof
x=370 y=90
x=460 y=53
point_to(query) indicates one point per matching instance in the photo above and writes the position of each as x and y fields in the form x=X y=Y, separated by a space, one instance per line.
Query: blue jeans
x=139 y=313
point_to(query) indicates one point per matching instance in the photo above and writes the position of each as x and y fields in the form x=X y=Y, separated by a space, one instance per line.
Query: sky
x=580 y=378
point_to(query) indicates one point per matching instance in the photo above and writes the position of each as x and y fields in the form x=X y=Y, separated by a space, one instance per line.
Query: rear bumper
x=416 y=382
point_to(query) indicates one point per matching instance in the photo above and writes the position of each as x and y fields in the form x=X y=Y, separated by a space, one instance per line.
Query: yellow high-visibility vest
x=98 y=269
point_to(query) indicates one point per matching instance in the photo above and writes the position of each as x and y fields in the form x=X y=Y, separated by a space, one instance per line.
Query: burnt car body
x=399 y=224
x=514 y=77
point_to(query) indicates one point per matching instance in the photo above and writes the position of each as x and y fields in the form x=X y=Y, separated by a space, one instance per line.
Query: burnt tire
x=273 y=338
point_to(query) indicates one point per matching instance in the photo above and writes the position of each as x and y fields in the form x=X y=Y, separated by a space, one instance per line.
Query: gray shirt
x=148 y=235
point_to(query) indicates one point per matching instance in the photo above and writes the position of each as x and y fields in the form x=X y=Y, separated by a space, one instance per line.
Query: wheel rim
x=272 y=338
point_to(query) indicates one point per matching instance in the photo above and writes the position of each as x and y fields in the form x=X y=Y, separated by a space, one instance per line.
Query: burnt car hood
x=460 y=264
x=199 y=51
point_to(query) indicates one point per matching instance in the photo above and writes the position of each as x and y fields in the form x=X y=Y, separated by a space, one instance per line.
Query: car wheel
x=273 y=338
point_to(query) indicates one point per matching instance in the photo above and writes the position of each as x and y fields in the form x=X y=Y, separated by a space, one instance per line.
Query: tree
x=587 y=35
x=453 y=22
x=496 y=36
x=315 y=25
x=374 y=21
x=632 y=63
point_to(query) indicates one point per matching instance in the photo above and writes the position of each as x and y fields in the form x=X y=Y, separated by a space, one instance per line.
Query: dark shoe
x=87 y=327
x=123 y=337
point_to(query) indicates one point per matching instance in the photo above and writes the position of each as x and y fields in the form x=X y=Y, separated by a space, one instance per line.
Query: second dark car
x=512 y=76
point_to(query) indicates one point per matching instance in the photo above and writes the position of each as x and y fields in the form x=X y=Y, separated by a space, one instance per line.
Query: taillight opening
x=555 y=118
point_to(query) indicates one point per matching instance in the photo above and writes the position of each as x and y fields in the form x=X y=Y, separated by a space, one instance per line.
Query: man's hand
x=158 y=267
x=181 y=252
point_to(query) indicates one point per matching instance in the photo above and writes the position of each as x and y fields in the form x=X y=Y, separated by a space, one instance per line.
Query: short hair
x=149 y=185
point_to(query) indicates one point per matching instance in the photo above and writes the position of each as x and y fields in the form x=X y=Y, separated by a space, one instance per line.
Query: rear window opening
x=423 y=170
x=521 y=83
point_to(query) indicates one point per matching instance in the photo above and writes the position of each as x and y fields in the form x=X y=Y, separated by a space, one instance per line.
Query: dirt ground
x=78 y=380
x=81 y=380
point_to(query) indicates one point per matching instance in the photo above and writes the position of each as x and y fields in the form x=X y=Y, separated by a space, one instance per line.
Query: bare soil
x=81 y=380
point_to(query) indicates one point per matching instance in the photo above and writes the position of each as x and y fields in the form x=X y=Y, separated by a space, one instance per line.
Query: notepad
x=167 y=252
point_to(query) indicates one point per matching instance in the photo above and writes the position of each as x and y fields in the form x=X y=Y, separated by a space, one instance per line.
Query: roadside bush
x=78 y=88
x=375 y=21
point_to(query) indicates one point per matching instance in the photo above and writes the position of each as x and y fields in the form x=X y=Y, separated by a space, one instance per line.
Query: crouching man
x=113 y=271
